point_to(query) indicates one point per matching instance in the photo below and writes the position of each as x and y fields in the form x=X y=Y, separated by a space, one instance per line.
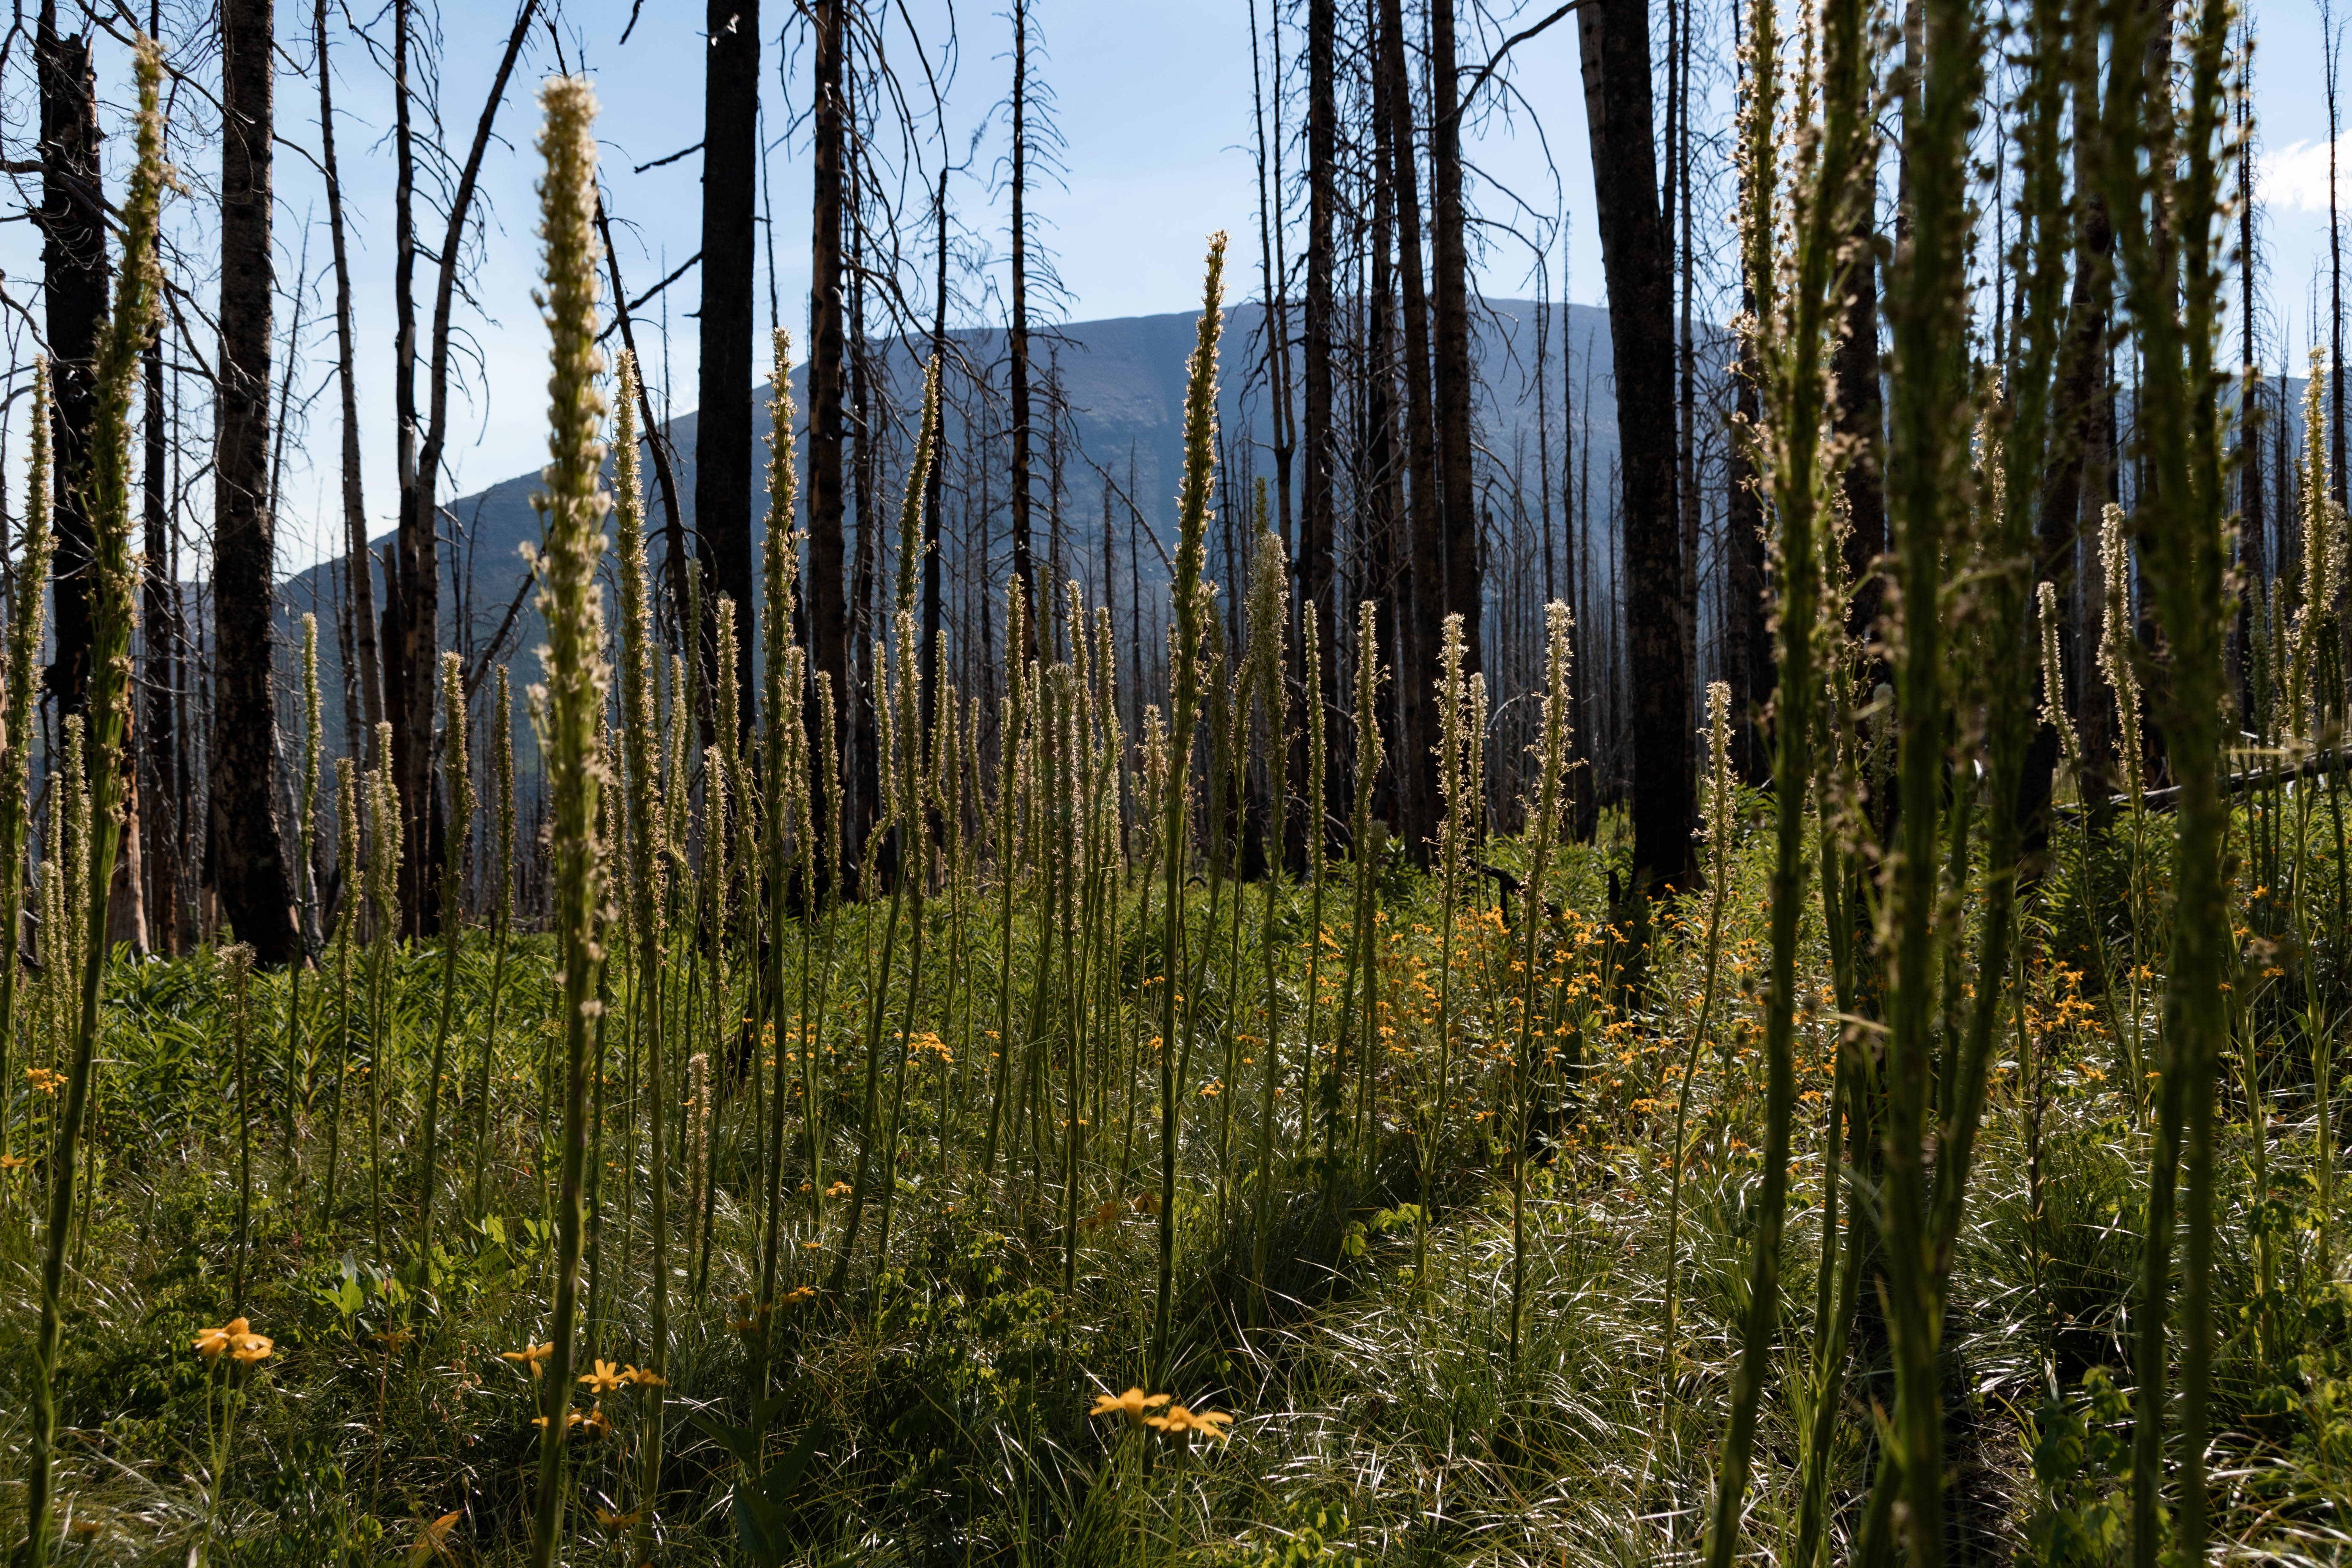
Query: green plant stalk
x=384 y=860
x=459 y=829
x=1269 y=608
x=306 y=803
x=15 y=739
x=501 y=921
x=1192 y=515
x=1451 y=848
x=1553 y=765
x=573 y=508
x=347 y=798
x=1311 y=670
x=1008 y=744
x=783 y=767
x=238 y=961
x=1369 y=760
x=914 y=840
x=2171 y=277
x=1793 y=364
x=112 y=579
x=1719 y=829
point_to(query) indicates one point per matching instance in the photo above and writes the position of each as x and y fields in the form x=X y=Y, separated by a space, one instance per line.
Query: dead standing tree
x=412 y=667
x=246 y=860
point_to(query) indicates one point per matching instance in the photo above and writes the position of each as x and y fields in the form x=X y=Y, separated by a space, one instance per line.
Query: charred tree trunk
x=935 y=483
x=1316 y=586
x=2078 y=415
x=159 y=780
x=411 y=581
x=366 y=676
x=75 y=275
x=248 y=866
x=1383 y=494
x=1417 y=763
x=722 y=439
x=1017 y=336
x=420 y=595
x=1615 y=39
x=1859 y=417
x=828 y=605
x=1749 y=663
x=1465 y=584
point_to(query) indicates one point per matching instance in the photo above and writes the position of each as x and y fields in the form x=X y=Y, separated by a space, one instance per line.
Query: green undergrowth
x=937 y=1410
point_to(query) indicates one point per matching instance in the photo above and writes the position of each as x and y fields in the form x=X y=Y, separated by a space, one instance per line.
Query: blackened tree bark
x=418 y=599
x=409 y=567
x=159 y=782
x=828 y=605
x=2069 y=493
x=248 y=868
x=1860 y=420
x=1464 y=586
x=360 y=566
x=1017 y=337
x=1417 y=763
x=1615 y=39
x=722 y=441
x=74 y=276
x=935 y=482
x=1383 y=494
x=1315 y=581
x=1749 y=664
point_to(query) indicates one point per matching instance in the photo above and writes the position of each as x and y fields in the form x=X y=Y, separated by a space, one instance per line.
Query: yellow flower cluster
x=236 y=1337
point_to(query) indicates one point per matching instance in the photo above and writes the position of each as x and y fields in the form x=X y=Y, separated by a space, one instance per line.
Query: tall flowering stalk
x=383 y=908
x=1363 y=954
x=458 y=784
x=1458 y=724
x=1718 y=828
x=784 y=768
x=306 y=802
x=1791 y=327
x=113 y=578
x=642 y=866
x=1192 y=525
x=502 y=819
x=16 y=723
x=1543 y=827
x=1269 y=607
x=2159 y=173
x=567 y=705
x=349 y=860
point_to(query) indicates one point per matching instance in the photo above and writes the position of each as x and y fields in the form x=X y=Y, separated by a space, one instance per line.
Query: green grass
x=948 y=1388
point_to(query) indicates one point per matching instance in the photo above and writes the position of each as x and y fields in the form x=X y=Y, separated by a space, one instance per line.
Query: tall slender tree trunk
x=1465 y=584
x=248 y=865
x=419 y=598
x=1859 y=418
x=934 y=480
x=1615 y=39
x=722 y=439
x=75 y=277
x=828 y=605
x=1017 y=338
x=1417 y=762
x=361 y=565
x=158 y=782
x=1383 y=493
x=1316 y=585
x=2069 y=491
x=411 y=578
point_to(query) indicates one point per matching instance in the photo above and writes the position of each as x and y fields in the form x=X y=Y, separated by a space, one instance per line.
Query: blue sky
x=1153 y=100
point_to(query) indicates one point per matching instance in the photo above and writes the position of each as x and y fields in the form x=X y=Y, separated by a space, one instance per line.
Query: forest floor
x=936 y=1409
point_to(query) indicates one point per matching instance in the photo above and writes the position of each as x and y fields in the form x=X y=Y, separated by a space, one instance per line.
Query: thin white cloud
x=2293 y=178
